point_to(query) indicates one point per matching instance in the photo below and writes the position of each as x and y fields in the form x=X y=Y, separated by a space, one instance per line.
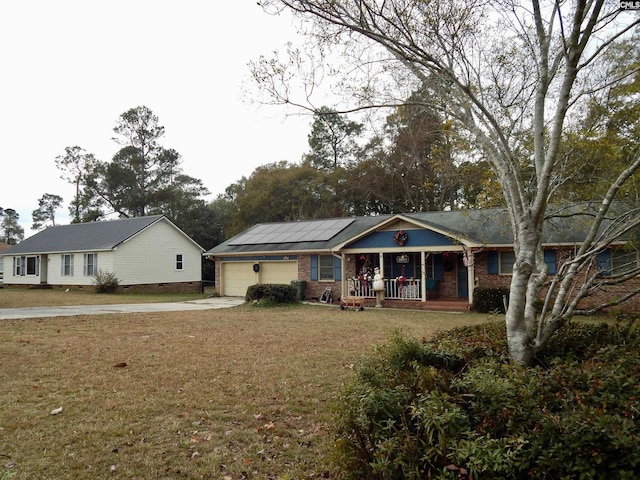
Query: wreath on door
x=400 y=237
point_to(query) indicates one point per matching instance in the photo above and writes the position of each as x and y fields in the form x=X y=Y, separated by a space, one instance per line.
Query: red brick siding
x=485 y=280
x=314 y=289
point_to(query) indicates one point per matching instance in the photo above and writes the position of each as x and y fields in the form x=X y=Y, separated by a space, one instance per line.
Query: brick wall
x=313 y=290
x=177 y=287
x=181 y=287
x=631 y=306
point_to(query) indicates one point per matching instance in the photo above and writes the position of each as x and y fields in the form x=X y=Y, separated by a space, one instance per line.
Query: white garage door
x=238 y=276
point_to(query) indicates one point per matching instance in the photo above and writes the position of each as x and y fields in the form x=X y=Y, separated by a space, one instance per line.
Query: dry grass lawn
x=21 y=297
x=240 y=393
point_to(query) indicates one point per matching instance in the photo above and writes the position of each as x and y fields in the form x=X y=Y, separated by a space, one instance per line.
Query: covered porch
x=422 y=280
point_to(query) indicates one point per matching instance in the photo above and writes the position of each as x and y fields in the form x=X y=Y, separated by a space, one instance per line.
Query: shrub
x=272 y=293
x=105 y=282
x=489 y=300
x=456 y=405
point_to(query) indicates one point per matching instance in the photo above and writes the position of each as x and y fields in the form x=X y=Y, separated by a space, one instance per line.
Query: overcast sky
x=69 y=68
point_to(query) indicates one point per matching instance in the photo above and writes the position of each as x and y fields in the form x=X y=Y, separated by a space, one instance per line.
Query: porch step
x=430 y=305
x=445 y=306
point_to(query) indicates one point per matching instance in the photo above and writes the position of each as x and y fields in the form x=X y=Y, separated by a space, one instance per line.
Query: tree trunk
x=519 y=336
x=520 y=317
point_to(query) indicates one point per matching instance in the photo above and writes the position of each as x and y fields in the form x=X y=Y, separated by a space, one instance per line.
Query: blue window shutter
x=438 y=270
x=314 y=268
x=337 y=269
x=550 y=260
x=604 y=262
x=492 y=263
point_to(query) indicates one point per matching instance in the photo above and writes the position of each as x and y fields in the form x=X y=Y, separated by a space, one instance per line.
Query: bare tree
x=513 y=74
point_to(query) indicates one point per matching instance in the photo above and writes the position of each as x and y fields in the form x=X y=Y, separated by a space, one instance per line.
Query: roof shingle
x=83 y=237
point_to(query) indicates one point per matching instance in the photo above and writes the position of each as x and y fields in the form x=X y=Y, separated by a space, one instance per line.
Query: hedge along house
x=146 y=254
x=427 y=259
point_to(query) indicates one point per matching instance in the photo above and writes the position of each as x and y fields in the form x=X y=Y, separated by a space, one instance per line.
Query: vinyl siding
x=150 y=257
x=54 y=272
x=146 y=258
x=9 y=278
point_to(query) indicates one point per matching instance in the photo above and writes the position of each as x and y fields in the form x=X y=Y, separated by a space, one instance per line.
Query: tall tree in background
x=140 y=175
x=332 y=140
x=422 y=157
x=10 y=230
x=281 y=192
x=76 y=165
x=597 y=148
x=502 y=71
x=143 y=178
x=46 y=211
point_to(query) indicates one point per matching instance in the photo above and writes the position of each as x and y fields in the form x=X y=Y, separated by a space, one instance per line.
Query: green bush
x=489 y=300
x=456 y=406
x=272 y=293
x=105 y=282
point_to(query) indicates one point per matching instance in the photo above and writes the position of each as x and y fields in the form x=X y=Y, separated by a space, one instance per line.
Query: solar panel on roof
x=309 y=231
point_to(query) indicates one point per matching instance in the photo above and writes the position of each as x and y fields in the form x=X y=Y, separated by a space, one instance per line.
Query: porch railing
x=394 y=290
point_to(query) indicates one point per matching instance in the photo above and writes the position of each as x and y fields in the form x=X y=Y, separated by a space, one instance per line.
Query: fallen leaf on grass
x=120 y=365
x=56 y=411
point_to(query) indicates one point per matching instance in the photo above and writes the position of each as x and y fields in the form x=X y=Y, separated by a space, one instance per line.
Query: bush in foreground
x=490 y=300
x=456 y=408
x=105 y=282
x=272 y=293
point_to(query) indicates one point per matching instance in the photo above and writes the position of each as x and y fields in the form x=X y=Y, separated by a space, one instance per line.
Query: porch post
x=471 y=275
x=423 y=276
x=381 y=263
x=343 y=280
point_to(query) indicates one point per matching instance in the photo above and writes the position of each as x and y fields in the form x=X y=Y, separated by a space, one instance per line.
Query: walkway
x=44 y=312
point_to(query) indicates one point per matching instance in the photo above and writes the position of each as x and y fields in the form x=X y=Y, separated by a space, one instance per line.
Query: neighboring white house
x=3 y=247
x=146 y=254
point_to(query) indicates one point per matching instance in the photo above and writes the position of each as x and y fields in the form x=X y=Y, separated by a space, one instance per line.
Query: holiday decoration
x=400 y=237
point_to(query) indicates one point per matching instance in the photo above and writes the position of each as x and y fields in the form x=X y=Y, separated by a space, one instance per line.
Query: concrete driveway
x=43 y=312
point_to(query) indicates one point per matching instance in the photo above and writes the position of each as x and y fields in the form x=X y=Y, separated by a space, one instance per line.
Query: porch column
x=343 y=280
x=423 y=276
x=381 y=263
x=471 y=273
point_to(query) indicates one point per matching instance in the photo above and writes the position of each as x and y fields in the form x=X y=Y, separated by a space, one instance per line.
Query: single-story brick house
x=424 y=257
x=146 y=254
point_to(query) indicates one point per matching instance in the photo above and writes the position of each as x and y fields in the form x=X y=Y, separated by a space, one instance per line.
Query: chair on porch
x=326 y=296
x=432 y=288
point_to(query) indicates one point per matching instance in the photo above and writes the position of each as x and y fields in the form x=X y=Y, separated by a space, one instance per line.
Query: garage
x=238 y=276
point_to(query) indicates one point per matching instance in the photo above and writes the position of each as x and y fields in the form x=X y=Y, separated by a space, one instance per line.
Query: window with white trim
x=66 y=262
x=18 y=266
x=623 y=261
x=29 y=265
x=506 y=259
x=179 y=261
x=325 y=267
x=90 y=266
x=33 y=265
